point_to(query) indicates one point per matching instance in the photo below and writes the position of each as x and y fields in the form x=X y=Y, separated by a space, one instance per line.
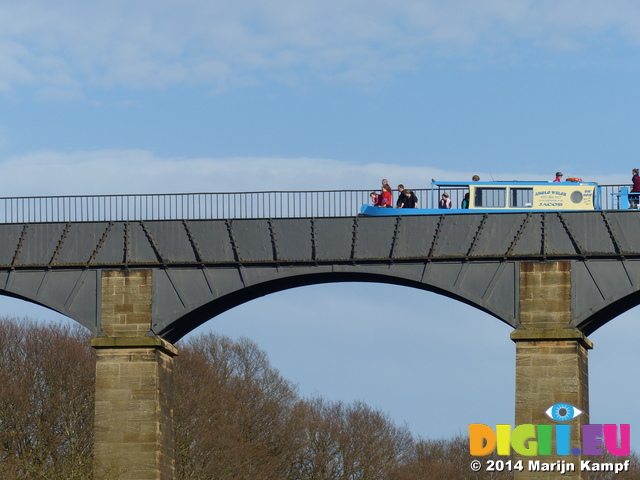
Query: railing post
x=624 y=198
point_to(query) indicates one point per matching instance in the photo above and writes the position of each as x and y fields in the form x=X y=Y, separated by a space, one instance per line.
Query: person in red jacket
x=387 y=196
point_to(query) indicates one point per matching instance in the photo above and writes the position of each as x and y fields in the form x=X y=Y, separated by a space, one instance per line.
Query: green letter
x=523 y=440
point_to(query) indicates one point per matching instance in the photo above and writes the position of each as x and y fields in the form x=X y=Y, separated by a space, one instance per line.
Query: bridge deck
x=202 y=266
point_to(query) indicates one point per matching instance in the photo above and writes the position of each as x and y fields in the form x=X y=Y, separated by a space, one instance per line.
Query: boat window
x=576 y=196
x=521 y=197
x=490 y=197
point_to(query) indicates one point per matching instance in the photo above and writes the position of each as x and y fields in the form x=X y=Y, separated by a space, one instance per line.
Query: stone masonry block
x=123 y=308
x=137 y=318
x=551 y=292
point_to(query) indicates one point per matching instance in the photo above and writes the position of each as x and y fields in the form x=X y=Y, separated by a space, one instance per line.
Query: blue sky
x=211 y=95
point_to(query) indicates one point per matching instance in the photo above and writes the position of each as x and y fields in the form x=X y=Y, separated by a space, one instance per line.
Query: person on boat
x=386 y=199
x=377 y=199
x=410 y=199
x=406 y=198
x=475 y=178
x=558 y=177
x=385 y=183
x=445 y=202
x=465 y=201
x=635 y=180
x=401 y=198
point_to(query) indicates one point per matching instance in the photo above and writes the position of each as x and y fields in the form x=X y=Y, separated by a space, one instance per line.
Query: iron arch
x=179 y=327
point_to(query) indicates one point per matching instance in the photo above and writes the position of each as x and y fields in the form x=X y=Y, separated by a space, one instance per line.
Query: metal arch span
x=489 y=288
x=203 y=267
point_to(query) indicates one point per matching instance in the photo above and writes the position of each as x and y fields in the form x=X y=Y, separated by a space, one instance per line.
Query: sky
x=162 y=96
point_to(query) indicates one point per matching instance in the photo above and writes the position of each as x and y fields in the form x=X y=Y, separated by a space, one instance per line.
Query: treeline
x=235 y=417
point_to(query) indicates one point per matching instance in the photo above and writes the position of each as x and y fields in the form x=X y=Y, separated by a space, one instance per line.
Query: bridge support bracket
x=134 y=342
x=552 y=334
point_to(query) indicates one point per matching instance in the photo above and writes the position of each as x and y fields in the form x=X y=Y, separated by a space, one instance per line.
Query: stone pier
x=134 y=385
x=551 y=359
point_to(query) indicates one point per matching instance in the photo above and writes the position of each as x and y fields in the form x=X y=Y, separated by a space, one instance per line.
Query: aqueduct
x=141 y=285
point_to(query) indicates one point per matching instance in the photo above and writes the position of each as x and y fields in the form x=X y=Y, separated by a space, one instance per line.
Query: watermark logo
x=530 y=440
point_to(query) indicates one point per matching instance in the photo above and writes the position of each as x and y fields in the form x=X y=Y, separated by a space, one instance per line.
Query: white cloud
x=141 y=171
x=141 y=43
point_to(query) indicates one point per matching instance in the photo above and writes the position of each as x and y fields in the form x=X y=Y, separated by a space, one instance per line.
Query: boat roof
x=506 y=183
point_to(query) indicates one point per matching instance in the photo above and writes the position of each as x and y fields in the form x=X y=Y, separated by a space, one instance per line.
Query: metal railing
x=182 y=206
x=190 y=206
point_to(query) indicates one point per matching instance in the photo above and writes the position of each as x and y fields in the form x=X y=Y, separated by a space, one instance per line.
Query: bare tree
x=633 y=473
x=349 y=442
x=46 y=403
x=237 y=418
x=444 y=459
x=235 y=415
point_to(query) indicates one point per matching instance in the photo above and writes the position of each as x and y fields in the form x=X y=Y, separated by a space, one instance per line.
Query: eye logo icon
x=563 y=412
